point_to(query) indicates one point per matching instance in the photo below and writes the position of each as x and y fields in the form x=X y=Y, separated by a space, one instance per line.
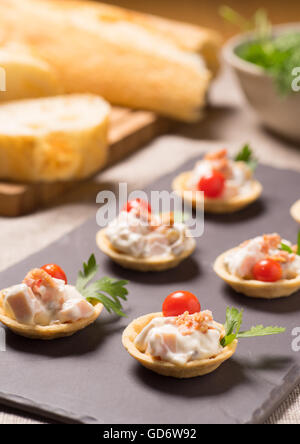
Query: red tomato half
x=212 y=185
x=137 y=204
x=180 y=301
x=55 y=271
x=267 y=270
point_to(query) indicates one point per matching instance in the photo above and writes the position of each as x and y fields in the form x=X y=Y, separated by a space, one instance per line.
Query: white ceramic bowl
x=279 y=113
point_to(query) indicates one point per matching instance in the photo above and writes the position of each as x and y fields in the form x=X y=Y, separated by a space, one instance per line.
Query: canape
x=184 y=342
x=45 y=306
x=228 y=185
x=295 y=211
x=265 y=267
x=140 y=240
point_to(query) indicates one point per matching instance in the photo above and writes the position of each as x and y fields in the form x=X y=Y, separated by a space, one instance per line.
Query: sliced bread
x=53 y=139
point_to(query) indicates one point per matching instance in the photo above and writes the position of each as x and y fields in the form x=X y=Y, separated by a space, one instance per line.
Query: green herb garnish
x=260 y=330
x=259 y=22
x=278 y=55
x=234 y=319
x=94 y=291
x=287 y=248
x=246 y=155
x=235 y=18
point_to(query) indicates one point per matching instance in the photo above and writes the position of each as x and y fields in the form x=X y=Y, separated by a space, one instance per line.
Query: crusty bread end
x=53 y=139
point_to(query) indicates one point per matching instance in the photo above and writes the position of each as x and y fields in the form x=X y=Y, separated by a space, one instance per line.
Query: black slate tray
x=90 y=378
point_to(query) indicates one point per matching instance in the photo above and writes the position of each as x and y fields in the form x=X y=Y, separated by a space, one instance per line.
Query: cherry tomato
x=137 y=204
x=180 y=301
x=55 y=271
x=267 y=270
x=212 y=185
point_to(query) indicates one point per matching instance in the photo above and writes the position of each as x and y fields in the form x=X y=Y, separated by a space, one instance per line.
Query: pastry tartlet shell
x=191 y=369
x=295 y=211
x=48 y=332
x=154 y=263
x=231 y=205
x=253 y=288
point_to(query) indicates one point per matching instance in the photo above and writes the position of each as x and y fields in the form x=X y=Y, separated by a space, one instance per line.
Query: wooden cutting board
x=129 y=131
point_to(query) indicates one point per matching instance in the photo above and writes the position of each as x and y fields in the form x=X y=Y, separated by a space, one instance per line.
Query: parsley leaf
x=234 y=319
x=246 y=155
x=106 y=290
x=285 y=247
x=89 y=271
x=260 y=330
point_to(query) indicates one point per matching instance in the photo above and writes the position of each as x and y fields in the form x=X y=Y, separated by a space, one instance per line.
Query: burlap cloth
x=228 y=122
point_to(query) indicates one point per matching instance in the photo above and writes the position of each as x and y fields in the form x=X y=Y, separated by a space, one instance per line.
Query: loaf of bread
x=26 y=76
x=53 y=139
x=129 y=58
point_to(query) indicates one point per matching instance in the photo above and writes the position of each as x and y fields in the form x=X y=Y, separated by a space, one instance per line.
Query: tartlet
x=45 y=307
x=48 y=332
x=295 y=211
x=215 y=205
x=191 y=369
x=139 y=240
x=254 y=288
x=227 y=185
x=265 y=267
x=184 y=342
x=153 y=263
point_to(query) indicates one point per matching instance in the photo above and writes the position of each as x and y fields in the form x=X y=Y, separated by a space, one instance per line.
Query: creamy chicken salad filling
x=241 y=261
x=237 y=175
x=182 y=338
x=43 y=300
x=142 y=235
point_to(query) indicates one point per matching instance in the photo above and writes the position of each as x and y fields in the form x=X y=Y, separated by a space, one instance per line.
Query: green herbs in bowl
x=266 y=61
x=277 y=55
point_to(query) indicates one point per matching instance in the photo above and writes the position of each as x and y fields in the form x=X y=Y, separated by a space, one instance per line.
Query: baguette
x=53 y=139
x=191 y=38
x=27 y=76
x=130 y=59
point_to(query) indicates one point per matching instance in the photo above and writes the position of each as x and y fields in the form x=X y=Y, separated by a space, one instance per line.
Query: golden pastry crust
x=191 y=369
x=154 y=263
x=217 y=205
x=48 y=332
x=253 y=288
x=295 y=211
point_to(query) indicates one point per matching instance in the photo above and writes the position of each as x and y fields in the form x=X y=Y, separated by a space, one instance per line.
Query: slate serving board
x=90 y=378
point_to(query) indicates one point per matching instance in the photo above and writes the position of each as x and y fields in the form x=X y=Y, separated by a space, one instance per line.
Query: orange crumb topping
x=270 y=241
x=216 y=155
x=187 y=323
x=220 y=162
